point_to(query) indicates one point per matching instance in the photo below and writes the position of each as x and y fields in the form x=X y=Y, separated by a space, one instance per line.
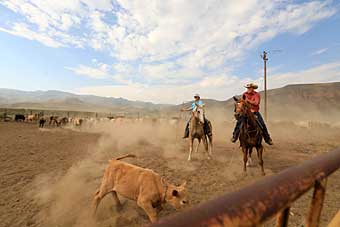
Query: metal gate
x=266 y=198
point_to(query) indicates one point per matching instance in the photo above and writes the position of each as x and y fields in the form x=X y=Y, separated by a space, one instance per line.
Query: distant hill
x=306 y=101
x=58 y=100
x=299 y=102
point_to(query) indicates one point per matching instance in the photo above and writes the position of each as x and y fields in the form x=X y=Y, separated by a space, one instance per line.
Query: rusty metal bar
x=313 y=217
x=282 y=218
x=260 y=201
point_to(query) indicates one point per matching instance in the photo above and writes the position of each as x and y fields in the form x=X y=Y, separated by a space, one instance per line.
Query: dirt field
x=49 y=176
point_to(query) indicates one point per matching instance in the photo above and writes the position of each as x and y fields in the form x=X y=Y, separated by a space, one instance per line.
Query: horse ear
x=243 y=97
x=235 y=98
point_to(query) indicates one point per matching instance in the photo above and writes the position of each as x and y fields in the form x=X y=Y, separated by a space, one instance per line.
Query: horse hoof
x=263 y=174
x=189 y=159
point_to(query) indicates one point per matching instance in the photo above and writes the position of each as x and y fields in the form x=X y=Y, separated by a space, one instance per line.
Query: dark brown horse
x=250 y=133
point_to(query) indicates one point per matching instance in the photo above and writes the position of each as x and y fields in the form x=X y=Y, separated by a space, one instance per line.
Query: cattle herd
x=52 y=120
x=55 y=120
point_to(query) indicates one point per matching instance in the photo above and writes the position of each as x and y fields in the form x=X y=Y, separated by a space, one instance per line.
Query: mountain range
x=293 y=102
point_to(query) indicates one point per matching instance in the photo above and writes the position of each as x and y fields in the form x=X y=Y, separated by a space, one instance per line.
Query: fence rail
x=264 y=199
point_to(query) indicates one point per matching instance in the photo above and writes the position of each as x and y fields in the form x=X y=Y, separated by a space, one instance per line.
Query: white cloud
x=218 y=87
x=161 y=29
x=167 y=42
x=22 y=30
x=100 y=70
x=320 y=51
x=93 y=72
x=323 y=73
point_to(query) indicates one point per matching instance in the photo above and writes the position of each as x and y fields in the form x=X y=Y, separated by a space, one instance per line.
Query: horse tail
x=126 y=156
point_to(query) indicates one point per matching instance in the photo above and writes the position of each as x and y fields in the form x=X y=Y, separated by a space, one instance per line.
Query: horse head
x=198 y=113
x=242 y=107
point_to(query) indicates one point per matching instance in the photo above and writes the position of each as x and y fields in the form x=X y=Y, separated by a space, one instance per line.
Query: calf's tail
x=126 y=156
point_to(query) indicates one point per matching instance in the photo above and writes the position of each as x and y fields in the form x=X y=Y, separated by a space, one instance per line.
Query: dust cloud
x=66 y=197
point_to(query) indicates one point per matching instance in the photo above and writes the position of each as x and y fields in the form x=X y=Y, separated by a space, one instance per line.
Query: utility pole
x=265 y=59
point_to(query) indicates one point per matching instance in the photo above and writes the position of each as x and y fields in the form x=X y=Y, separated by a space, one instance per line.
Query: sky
x=166 y=51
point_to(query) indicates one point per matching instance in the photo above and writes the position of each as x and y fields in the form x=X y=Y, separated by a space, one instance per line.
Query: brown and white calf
x=139 y=184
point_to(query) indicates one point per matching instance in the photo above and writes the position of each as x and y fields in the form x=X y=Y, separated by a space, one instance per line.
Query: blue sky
x=165 y=51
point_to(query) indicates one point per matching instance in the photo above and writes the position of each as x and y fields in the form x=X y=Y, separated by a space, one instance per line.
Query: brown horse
x=196 y=131
x=250 y=134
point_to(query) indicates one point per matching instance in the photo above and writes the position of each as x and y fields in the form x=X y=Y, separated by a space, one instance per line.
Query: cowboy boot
x=186 y=132
x=236 y=131
x=268 y=140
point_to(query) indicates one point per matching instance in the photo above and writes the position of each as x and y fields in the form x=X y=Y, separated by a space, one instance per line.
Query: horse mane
x=248 y=114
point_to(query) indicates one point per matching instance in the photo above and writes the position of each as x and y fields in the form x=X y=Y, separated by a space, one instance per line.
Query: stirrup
x=269 y=141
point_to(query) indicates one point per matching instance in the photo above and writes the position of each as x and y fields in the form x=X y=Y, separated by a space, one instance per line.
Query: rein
x=254 y=123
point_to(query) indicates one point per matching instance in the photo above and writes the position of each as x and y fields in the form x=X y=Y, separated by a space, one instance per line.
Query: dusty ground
x=49 y=176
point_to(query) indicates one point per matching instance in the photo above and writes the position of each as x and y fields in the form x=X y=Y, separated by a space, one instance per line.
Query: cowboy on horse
x=197 y=103
x=253 y=98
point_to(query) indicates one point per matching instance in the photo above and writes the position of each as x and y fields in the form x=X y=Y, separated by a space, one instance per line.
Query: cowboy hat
x=251 y=85
x=197 y=95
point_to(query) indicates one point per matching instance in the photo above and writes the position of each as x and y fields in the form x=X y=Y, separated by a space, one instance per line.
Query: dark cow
x=62 y=121
x=53 y=120
x=19 y=117
x=58 y=121
x=42 y=122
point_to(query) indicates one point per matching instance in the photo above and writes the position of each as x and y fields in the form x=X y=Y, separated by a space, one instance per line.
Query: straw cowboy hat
x=251 y=85
x=197 y=95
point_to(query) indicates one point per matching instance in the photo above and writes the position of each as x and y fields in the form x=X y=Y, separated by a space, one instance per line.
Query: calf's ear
x=174 y=193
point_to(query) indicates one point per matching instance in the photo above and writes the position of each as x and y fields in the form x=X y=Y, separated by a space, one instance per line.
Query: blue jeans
x=260 y=122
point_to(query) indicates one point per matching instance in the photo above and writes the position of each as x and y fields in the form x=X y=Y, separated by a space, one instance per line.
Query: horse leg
x=245 y=159
x=205 y=142
x=196 y=149
x=250 y=161
x=259 y=155
x=209 y=139
x=190 y=148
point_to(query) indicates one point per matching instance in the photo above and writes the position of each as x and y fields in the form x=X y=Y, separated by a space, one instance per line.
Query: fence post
x=313 y=217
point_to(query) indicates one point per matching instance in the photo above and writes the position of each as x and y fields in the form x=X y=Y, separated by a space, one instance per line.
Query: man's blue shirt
x=199 y=102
